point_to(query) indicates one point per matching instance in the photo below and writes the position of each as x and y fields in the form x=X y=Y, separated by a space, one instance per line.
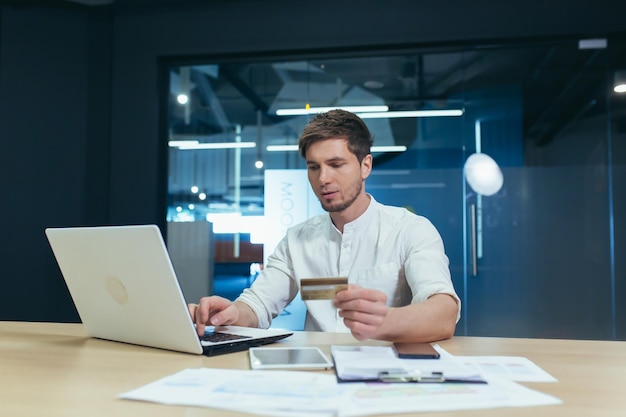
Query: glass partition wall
x=514 y=152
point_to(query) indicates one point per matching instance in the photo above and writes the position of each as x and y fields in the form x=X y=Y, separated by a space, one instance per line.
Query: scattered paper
x=514 y=368
x=286 y=393
x=372 y=399
x=315 y=394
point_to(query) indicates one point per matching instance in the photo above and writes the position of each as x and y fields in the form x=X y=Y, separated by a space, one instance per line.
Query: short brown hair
x=338 y=124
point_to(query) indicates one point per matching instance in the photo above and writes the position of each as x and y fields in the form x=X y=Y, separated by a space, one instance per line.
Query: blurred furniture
x=191 y=248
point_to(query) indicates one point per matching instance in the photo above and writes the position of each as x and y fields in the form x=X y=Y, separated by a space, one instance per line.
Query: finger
x=192 y=310
x=367 y=318
x=227 y=316
x=359 y=330
x=361 y=293
x=203 y=311
x=377 y=308
x=348 y=287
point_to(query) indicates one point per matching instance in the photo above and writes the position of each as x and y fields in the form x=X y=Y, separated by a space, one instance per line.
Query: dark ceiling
x=560 y=83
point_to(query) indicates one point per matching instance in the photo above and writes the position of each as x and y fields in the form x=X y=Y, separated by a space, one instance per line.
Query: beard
x=353 y=192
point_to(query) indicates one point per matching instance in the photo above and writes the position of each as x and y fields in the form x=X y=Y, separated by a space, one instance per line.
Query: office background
x=82 y=112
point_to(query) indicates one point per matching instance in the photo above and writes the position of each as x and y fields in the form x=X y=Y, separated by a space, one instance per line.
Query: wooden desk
x=51 y=369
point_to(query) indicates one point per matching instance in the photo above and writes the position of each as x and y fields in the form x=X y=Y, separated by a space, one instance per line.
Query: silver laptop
x=125 y=289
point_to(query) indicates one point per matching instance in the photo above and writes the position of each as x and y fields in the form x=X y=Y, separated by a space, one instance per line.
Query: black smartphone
x=416 y=351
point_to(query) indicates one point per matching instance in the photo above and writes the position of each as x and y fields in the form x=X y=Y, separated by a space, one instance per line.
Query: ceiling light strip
x=189 y=145
x=281 y=148
x=374 y=149
x=412 y=113
x=373 y=112
x=292 y=148
x=315 y=110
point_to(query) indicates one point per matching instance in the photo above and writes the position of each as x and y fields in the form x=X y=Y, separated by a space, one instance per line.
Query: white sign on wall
x=289 y=200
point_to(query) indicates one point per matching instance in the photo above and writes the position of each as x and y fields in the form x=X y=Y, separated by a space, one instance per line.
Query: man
x=399 y=280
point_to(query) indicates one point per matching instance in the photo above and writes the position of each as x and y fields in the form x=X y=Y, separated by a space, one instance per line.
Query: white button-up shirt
x=387 y=248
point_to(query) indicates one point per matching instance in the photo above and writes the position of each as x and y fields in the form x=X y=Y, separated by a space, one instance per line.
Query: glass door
x=539 y=250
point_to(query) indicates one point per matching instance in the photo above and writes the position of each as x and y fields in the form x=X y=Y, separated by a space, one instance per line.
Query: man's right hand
x=213 y=311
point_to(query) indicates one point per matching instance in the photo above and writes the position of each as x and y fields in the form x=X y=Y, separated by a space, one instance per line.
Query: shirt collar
x=364 y=218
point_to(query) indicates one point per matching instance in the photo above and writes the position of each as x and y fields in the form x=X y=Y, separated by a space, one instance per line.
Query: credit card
x=322 y=288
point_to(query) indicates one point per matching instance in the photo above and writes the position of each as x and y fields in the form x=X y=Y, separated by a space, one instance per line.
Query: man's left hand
x=363 y=310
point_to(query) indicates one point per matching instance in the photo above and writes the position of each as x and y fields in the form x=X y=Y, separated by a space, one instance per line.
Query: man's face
x=335 y=174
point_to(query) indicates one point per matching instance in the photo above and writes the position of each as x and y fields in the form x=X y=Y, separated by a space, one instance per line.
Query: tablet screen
x=288 y=358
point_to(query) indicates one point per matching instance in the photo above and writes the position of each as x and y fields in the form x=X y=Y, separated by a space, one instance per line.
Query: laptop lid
x=123 y=284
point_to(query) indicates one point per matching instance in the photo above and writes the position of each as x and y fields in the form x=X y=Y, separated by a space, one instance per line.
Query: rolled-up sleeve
x=426 y=265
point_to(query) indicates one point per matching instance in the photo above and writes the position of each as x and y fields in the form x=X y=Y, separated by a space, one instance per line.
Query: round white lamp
x=483 y=174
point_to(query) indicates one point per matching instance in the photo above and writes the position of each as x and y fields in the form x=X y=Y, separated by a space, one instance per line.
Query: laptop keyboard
x=221 y=337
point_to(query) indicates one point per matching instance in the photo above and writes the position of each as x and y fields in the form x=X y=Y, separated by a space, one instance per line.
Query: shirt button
x=346 y=245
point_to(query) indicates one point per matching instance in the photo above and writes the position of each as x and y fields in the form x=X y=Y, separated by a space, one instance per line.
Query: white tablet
x=288 y=358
